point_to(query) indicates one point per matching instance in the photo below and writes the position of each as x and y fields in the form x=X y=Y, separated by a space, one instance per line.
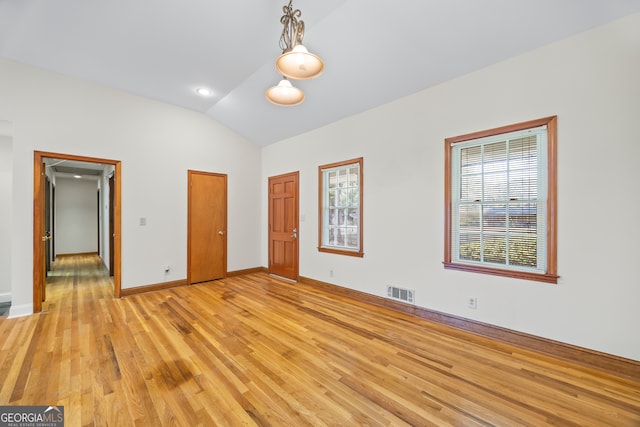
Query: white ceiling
x=374 y=51
x=72 y=168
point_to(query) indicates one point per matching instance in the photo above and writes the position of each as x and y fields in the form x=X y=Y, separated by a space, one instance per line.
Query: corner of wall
x=20 y=310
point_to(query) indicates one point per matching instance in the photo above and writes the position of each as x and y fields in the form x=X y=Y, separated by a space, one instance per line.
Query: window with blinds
x=340 y=204
x=498 y=202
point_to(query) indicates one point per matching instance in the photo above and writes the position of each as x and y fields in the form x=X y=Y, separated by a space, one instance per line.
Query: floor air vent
x=400 y=294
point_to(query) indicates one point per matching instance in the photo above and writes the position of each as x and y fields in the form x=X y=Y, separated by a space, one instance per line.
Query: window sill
x=547 y=278
x=359 y=254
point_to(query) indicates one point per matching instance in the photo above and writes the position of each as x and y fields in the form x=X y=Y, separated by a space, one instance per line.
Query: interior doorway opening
x=45 y=245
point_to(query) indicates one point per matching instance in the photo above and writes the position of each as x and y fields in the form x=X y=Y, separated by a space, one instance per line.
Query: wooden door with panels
x=283 y=225
x=207 y=227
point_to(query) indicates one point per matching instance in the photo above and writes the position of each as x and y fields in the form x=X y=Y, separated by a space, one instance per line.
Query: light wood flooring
x=256 y=350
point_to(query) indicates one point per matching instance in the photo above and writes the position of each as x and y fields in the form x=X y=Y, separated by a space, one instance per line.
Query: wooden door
x=47 y=227
x=44 y=264
x=283 y=225
x=207 y=227
x=112 y=181
x=53 y=222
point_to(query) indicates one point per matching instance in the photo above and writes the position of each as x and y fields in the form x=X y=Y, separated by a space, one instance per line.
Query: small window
x=500 y=201
x=340 y=205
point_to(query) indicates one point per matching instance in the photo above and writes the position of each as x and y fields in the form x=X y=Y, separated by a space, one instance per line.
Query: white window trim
x=323 y=218
x=550 y=251
x=541 y=200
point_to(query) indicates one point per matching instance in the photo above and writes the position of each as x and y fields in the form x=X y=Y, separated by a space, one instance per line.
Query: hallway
x=75 y=281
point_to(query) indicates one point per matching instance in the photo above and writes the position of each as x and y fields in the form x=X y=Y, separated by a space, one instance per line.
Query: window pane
x=470 y=218
x=353 y=197
x=523 y=153
x=341 y=197
x=332 y=236
x=495 y=186
x=333 y=179
x=494 y=218
x=353 y=217
x=523 y=251
x=332 y=197
x=333 y=216
x=342 y=178
x=471 y=160
x=340 y=236
x=523 y=168
x=352 y=238
x=495 y=157
x=336 y=237
x=470 y=246
x=353 y=177
x=471 y=188
x=523 y=184
x=523 y=218
x=495 y=249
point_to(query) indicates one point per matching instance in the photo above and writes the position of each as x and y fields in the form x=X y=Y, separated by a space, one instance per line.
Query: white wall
x=6 y=171
x=157 y=144
x=76 y=216
x=592 y=83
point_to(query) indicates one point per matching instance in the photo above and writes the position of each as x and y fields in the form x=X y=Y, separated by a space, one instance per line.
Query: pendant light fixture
x=284 y=94
x=295 y=62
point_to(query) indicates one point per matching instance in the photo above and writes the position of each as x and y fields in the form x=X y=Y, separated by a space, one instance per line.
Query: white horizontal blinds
x=341 y=209
x=499 y=199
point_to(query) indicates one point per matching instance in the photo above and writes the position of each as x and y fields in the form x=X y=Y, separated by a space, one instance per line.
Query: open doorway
x=43 y=242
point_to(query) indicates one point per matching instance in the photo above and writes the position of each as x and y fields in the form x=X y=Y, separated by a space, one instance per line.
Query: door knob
x=295 y=233
x=221 y=233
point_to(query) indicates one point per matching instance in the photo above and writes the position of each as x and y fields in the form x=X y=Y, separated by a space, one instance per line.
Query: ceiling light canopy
x=295 y=62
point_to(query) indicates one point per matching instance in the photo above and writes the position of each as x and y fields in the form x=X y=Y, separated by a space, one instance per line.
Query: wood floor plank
x=255 y=350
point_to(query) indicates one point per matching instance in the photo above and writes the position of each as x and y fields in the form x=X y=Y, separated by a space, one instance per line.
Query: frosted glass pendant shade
x=284 y=94
x=299 y=64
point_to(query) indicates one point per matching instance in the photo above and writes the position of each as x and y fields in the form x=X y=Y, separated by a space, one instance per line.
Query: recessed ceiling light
x=203 y=91
x=77 y=176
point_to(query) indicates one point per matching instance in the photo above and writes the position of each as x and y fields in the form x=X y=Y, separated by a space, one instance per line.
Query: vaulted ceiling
x=374 y=51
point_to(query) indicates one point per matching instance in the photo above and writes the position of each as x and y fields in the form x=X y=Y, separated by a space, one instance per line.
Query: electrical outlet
x=167 y=269
x=472 y=303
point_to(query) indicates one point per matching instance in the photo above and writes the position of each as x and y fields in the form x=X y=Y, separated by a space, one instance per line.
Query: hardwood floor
x=256 y=350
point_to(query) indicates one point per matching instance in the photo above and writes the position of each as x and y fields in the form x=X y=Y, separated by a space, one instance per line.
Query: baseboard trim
x=247 y=271
x=5 y=297
x=586 y=357
x=20 y=311
x=126 y=292
x=176 y=283
x=76 y=254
